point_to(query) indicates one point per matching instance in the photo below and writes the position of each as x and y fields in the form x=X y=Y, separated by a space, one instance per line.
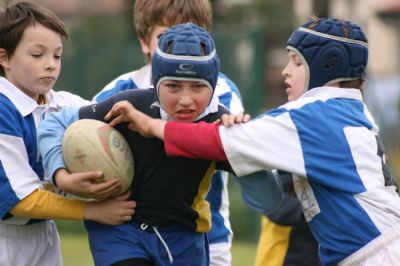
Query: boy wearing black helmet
x=172 y=214
x=325 y=135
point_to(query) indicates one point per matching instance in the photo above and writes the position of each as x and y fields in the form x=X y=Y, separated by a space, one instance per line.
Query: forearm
x=50 y=136
x=42 y=204
x=198 y=141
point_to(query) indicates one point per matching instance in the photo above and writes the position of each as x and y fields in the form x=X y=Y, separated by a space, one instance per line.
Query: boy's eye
x=57 y=56
x=172 y=85
x=36 y=55
x=200 y=86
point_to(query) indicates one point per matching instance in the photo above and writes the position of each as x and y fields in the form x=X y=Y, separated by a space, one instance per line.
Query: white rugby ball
x=90 y=144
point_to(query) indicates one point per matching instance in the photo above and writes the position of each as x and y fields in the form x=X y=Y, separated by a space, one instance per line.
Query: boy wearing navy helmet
x=325 y=135
x=172 y=215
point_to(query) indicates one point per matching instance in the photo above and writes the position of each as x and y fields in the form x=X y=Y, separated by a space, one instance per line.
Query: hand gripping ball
x=90 y=144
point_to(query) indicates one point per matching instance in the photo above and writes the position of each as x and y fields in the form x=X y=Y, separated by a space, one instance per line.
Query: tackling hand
x=124 y=112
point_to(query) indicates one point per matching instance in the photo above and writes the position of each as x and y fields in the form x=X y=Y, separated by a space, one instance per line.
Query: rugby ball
x=90 y=144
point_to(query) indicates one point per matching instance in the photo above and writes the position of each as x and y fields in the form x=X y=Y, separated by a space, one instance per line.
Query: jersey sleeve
x=289 y=213
x=42 y=204
x=267 y=142
x=50 y=135
x=261 y=191
x=204 y=141
x=17 y=178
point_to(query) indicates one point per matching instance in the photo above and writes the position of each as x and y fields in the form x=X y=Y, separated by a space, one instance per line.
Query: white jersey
x=225 y=93
x=328 y=139
x=19 y=118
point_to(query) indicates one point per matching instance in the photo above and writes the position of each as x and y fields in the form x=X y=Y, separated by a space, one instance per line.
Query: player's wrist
x=156 y=128
x=89 y=214
x=58 y=178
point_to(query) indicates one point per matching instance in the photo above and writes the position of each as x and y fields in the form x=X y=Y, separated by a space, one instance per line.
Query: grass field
x=75 y=251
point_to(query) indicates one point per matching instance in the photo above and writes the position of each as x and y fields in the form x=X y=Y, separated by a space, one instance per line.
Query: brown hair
x=150 y=13
x=357 y=84
x=15 y=18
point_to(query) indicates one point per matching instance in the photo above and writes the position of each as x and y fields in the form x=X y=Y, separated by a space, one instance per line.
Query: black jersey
x=168 y=190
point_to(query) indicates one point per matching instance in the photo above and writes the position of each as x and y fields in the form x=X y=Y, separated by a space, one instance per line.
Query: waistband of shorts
x=162 y=228
x=372 y=247
x=17 y=231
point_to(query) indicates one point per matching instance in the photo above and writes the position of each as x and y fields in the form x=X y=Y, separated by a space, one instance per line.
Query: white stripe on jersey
x=16 y=165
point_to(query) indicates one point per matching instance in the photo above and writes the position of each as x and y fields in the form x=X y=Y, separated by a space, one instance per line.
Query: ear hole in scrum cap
x=334 y=50
x=186 y=51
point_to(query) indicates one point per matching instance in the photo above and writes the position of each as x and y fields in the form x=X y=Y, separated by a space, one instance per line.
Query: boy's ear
x=4 y=62
x=145 y=46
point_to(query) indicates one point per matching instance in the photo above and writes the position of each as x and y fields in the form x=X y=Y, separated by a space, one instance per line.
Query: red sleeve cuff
x=194 y=140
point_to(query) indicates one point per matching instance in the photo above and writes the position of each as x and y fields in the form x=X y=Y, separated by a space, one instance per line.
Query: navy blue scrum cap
x=334 y=50
x=186 y=52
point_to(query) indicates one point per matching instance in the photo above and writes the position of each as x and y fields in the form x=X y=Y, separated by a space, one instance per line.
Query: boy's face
x=35 y=65
x=295 y=76
x=149 y=46
x=184 y=101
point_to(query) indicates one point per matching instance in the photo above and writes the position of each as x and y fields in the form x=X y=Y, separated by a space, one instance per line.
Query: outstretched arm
x=204 y=141
x=124 y=112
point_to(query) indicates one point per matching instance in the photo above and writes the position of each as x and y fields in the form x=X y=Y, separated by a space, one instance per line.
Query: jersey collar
x=328 y=92
x=25 y=104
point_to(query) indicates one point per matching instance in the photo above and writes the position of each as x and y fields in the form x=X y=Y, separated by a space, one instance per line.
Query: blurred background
x=251 y=38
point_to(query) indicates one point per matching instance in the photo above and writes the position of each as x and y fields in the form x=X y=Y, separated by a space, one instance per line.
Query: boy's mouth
x=185 y=111
x=288 y=87
x=185 y=114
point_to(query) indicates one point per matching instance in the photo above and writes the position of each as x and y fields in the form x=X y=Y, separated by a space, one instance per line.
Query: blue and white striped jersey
x=228 y=95
x=328 y=140
x=21 y=170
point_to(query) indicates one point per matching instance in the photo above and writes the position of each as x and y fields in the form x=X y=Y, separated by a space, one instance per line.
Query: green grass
x=243 y=253
x=75 y=250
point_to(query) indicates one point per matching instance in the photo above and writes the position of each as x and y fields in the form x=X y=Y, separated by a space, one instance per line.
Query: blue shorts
x=110 y=244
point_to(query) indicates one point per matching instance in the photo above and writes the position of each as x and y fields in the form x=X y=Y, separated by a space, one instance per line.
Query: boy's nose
x=51 y=64
x=285 y=72
x=185 y=99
